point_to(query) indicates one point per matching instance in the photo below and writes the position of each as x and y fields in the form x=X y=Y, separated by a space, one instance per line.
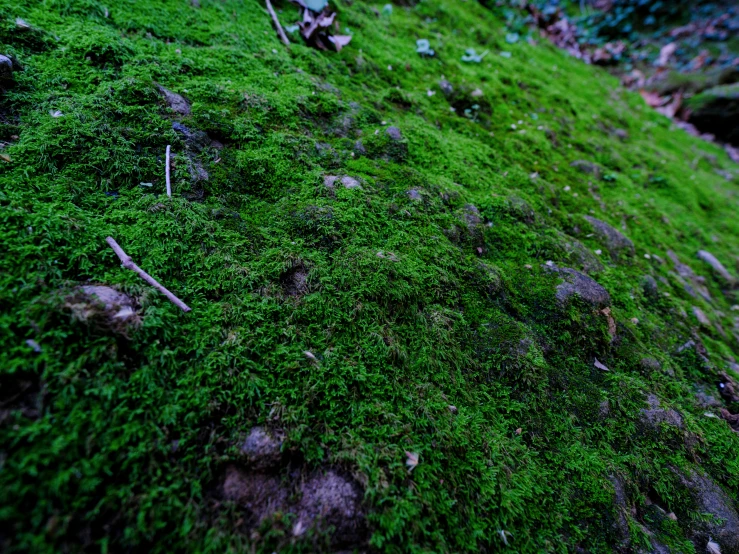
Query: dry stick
x=280 y=31
x=166 y=170
x=128 y=264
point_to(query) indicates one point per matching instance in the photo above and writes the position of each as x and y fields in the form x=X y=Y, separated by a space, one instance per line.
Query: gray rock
x=262 y=448
x=650 y=287
x=346 y=181
x=580 y=285
x=359 y=148
x=176 y=102
x=586 y=167
x=620 y=502
x=104 y=307
x=471 y=216
x=6 y=67
x=329 y=500
x=195 y=140
x=414 y=194
x=690 y=281
x=446 y=87
x=394 y=133
x=710 y=498
x=650 y=364
x=717 y=266
x=615 y=242
x=701 y=317
x=654 y=416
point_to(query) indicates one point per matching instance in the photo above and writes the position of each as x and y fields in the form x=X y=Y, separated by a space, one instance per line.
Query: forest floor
x=481 y=299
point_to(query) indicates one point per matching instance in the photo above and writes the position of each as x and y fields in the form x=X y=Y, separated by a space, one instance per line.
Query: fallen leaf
x=519 y=431
x=339 y=41
x=56 y=113
x=665 y=54
x=411 y=460
x=712 y=547
x=5 y=157
x=599 y=365
x=504 y=535
x=672 y=108
x=652 y=99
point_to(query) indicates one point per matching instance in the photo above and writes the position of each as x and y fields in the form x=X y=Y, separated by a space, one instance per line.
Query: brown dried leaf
x=411 y=460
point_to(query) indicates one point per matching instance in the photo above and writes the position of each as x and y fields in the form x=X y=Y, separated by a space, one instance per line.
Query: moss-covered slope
x=430 y=303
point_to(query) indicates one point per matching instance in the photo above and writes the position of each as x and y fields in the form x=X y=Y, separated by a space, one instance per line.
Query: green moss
x=410 y=302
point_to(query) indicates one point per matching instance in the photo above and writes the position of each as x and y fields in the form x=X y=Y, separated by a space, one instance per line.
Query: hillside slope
x=437 y=306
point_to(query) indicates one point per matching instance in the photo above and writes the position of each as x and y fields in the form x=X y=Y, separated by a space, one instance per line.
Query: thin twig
x=127 y=262
x=280 y=31
x=169 y=186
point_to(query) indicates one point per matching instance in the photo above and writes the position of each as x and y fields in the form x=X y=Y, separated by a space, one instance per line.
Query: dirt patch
x=295 y=280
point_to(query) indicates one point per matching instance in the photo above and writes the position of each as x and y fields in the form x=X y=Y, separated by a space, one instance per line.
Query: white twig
x=166 y=170
x=280 y=31
x=127 y=262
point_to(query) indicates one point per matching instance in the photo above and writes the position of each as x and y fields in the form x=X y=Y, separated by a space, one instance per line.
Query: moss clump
x=412 y=317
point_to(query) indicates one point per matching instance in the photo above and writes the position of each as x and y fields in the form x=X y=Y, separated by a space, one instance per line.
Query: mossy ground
x=130 y=437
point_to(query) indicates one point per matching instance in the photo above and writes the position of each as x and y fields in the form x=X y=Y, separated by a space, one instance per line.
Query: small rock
x=587 y=167
x=729 y=388
x=709 y=498
x=717 y=266
x=176 y=102
x=329 y=180
x=654 y=415
x=452 y=409
x=329 y=500
x=359 y=148
x=580 y=285
x=616 y=242
x=446 y=87
x=414 y=194
x=394 y=133
x=195 y=140
x=472 y=216
x=701 y=317
x=263 y=448
x=104 y=308
x=6 y=67
x=650 y=287
x=36 y=347
x=350 y=182
x=650 y=364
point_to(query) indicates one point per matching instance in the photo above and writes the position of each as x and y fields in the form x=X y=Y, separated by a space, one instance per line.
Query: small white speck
x=430 y=92
x=274 y=51
x=513 y=125
x=647 y=256
x=599 y=252
x=567 y=188
x=390 y=68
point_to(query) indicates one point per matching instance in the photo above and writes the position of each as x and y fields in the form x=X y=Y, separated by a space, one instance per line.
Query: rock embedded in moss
x=614 y=240
x=262 y=448
x=577 y=284
x=587 y=167
x=176 y=102
x=653 y=416
x=709 y=498
x=717 y=266
x=104 y=308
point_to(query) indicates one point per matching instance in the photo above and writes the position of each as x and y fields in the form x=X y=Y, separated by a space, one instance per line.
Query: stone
x=650 y=364
x=649 y=287
x=350 y=182
x=262 y=448
x=709 y=498
x=580 y=285
x=729 y=388
x=701 y=317
x=176 y=102
x=654 y=415
x=394 y=133
x=620 y=502
x=471 y=216
x=104 y=308
x=328 y=499
x=260 y=494
x=586 y=167
x=446 y=87
x=717 y=266
x=690 y=281
x=195 y=140
x=359 y=148
x=6 y=68
x=615 y=242
x=414 y=194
